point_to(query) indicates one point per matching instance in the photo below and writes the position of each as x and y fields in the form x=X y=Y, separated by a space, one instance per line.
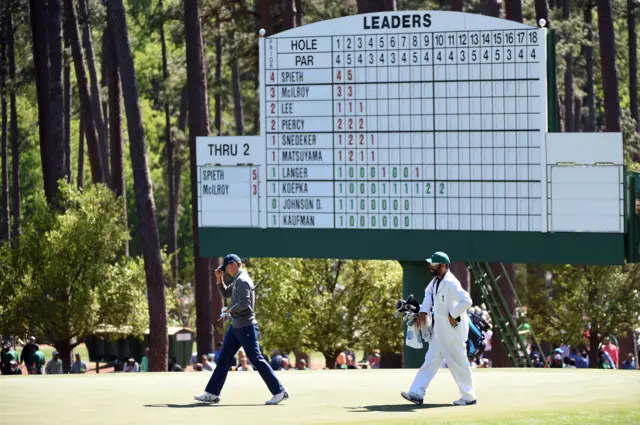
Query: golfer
x=242 y=332
x=449 y=303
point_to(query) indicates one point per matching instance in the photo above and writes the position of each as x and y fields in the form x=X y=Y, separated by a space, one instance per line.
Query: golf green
x=505 y=396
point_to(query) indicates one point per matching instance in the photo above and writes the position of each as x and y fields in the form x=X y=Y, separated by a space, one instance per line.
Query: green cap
x=439 y=258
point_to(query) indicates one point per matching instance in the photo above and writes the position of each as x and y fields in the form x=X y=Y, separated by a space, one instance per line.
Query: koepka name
x=395 y=21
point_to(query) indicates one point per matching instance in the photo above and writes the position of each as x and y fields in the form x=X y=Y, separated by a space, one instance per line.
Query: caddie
x=242 y=332
x=446 y=303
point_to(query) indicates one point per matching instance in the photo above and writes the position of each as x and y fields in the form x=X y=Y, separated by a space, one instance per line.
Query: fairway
x=324 y=396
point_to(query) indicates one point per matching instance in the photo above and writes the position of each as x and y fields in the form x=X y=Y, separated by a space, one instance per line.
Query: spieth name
x=292 y=77
x=298 y=220
x=212 y=175
x=215 y=189
x=302 y=156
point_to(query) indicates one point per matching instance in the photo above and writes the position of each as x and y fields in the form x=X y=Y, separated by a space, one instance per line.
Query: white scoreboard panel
x=417 y=121
x=433 y=121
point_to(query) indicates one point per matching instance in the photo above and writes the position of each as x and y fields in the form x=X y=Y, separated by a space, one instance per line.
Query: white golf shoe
x=277 y=398
x=207 y=398
x=412 y=397
x=463 y=402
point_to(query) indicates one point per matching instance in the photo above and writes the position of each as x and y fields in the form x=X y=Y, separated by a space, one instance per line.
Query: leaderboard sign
x=396 y=121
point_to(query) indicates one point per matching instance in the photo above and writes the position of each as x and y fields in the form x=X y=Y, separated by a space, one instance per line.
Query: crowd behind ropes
x=32 y=361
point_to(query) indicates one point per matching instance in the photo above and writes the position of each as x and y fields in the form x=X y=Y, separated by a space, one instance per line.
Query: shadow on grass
x=196 y=405
x=395 y=407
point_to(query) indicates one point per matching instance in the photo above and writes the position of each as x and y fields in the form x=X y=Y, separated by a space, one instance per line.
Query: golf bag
x=475 y=340
x=415 y=335
x=411 y=308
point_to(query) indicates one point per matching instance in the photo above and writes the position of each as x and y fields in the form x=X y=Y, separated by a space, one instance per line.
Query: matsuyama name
x=394 y=21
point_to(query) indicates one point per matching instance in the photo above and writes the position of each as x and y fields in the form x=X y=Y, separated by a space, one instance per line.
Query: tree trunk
x=568 y=77
x=514 y=10
x=237 y=97
x=65 y=349
x=542 y=11
x=41 y=65
x=5 y=225
x=577 y=114
x=608 y=66
x=299 y=15
x=96 y=102
x=54 y=32
x=143 y=189
x=80 y=172
x=491 y=8
x=112 y=77
x=633 y=63
x=172 y=225
x=594 y=342
x=86 y=108
x=198 y=126
x=457 y=5
x=177 y=185
x=590 y=123
x=217 y=95
x=67 y=109
x=330 y=359
x=15 y=148
x=289 y=20
x=370 y=6
x=265 y=18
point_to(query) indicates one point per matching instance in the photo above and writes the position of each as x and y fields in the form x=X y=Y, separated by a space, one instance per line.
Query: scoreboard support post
x=414 y=276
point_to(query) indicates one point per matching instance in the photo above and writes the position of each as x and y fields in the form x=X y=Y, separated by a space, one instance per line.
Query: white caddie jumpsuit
x=447 y=342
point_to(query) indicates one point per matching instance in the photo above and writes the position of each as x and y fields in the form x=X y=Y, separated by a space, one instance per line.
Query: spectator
x=78 y=365
x=580 y=362
x=131 y=366
x=37 y=361
x=13 y=368
x=284 y=364
x=609 y=348
x=206 y=365
x=144 y=363
x=244 y=365
x=54 y=366
x=6 y=356
x=569 y=362
x=629 y=363
x=603 y=363
x=276 y=361
x=301 y=365
x=351 y=362
x=557 y=361
x=341 y=361
x=216 y=354
x=27 y=351
x=374 y=359
x=609 y=360
x=198 y=367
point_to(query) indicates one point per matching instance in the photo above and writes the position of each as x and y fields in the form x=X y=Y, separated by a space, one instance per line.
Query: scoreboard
x=418 y=122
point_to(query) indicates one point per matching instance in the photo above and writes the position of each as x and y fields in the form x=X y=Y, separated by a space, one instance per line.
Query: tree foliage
x=328 y=305
x=602 y=299
x=67 y=277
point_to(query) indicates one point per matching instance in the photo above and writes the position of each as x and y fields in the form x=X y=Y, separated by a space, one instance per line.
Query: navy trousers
x=247 y=337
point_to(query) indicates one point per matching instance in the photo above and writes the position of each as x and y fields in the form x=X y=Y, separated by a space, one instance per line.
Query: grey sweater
x=240 y=292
